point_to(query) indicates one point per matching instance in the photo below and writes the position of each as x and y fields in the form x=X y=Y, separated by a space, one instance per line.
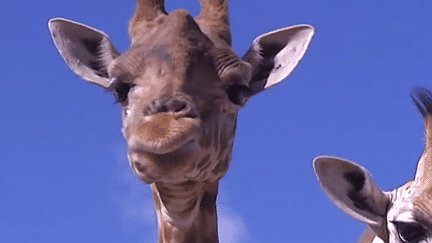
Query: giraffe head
x=403 y=215
x=180 y=85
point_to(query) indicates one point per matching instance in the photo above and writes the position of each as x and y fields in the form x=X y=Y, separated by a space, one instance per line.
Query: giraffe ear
x=87 y=51
x=350 y=187
x=274 y=55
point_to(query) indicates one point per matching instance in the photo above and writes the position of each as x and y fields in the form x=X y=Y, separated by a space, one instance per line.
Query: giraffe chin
x=164 y=133
x=171 y=167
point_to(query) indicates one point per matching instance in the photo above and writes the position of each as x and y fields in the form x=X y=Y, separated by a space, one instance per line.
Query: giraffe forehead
x=176 y=23
x=176 y=46
x=160 y=58
x=173 y=50
x=178 y=31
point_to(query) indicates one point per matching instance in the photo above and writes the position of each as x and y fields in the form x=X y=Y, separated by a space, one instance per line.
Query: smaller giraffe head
x=403 y=215
x=180 y=85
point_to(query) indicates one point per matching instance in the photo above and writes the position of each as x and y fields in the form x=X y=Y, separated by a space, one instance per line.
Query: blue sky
x=63 y=172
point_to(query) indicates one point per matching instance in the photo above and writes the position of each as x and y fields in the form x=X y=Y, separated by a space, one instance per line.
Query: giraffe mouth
x=163 y=133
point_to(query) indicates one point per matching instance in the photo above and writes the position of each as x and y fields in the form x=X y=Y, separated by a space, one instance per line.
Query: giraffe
x=401 y=215
x=180 y=86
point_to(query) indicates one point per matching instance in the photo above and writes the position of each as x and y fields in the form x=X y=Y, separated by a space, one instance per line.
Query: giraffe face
x=399 y=216
x=409 y=221
x=402 y=215
x=179 y=112
x=180 y=85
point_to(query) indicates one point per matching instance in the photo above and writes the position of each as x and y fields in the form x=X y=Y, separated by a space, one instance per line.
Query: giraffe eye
x=121 y=91
x=411 y=232
x=238 y=94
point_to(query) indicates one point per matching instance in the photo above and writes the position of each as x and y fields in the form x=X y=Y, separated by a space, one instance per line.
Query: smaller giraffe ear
x=350 y=187
x=274 y=55
x=87 y=51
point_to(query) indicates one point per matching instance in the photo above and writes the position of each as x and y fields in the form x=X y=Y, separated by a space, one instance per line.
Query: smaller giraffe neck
x=186 y=212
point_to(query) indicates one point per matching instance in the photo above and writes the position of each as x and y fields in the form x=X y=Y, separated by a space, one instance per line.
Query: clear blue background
x=63 y=172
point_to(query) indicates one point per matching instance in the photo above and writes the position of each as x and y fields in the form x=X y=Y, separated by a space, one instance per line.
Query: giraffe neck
x=186 y=212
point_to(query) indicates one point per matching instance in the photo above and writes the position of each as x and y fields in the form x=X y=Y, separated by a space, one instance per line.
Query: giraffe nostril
x=163 y=109
x=182 y=108
x=178 y=106
x=155 y=107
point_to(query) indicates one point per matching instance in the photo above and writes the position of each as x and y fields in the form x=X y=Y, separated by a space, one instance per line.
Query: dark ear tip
x=420 y=91
x=423 y=100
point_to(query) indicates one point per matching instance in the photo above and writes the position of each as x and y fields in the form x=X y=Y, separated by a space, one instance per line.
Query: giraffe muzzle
x=178 y=106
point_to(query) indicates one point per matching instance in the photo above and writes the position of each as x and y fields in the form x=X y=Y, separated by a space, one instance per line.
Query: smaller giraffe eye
x=411 y=232
x=121 y=91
